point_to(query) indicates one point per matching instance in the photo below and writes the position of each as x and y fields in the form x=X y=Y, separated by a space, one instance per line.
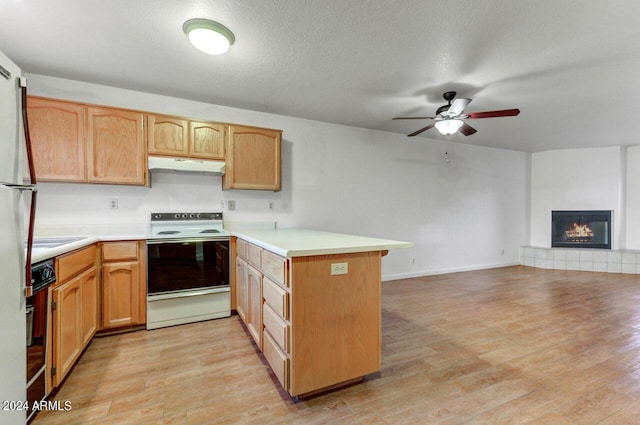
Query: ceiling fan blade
x=458 y=106
x=494 y=114
x=467 y=130
x=415 y=133
x=413 y=118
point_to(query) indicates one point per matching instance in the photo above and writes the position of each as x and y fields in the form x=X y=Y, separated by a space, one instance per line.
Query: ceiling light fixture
x=449 y=126
x=208 y=36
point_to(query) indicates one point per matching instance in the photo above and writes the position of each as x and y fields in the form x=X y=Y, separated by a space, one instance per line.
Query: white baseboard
x=398 y=276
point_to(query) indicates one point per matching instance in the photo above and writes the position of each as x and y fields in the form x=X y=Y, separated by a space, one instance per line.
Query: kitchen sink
x=54 y=242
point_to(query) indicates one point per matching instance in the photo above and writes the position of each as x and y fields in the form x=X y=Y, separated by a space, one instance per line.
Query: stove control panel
x=180 y=216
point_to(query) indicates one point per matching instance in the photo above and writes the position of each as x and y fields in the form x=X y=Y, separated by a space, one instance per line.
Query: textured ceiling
x=571 y=66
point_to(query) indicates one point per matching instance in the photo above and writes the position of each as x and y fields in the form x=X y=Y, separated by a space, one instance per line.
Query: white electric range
x=187 y=268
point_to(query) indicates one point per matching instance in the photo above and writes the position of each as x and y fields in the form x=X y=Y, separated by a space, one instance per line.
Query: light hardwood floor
x=509 y=346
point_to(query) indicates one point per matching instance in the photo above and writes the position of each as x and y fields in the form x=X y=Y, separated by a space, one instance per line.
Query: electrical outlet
x=232 y=205
x=271 y=205
x=223 y=205
x=114 y=203
x=339 y=268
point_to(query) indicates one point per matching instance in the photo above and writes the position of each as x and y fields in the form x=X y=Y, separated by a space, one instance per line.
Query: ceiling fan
x=449 y=118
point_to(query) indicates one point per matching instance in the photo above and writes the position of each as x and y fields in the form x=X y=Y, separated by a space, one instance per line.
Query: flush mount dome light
x=448 y=127
x=208 y=36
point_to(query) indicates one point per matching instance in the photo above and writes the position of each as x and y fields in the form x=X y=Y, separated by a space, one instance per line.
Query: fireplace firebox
x=581 y=229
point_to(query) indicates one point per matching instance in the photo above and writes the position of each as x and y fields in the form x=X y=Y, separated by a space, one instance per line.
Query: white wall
x=633 y=197
x=578 y=179
x=469 y=213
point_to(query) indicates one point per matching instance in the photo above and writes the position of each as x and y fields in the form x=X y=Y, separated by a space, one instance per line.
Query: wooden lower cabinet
x=344 y=315
x=317 y=330
x=254 y=307
x=67 y=335
x=87 y=290
x=242 y=301
x=90 y=302
x=120 y=294
x=74 y=318
x=277 y=359
x=123 y=284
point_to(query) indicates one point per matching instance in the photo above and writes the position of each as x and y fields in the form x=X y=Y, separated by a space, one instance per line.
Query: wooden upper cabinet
x=78 y=143
x=57 y=136
x=253 y=159
x=207 y=140
x=168 y=135
x=116 y=150
x=178 y=137
x=83 y=143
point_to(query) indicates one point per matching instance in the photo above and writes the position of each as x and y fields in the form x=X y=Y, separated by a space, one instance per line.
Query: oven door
x=179 y=265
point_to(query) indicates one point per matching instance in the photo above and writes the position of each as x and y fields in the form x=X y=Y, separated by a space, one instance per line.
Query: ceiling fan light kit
x=448 y=127
x=208 y=36
x=449 y=118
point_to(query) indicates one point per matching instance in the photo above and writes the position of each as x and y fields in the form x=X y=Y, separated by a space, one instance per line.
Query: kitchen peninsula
x=311 y=301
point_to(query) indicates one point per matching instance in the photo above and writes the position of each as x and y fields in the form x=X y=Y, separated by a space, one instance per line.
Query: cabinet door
x=254 y=310
x=241 y=289
x=57 y=137
x=89 y=283
x=207 y=140
x=67 y=336
x=253 y=159
x=115 y=146
x=168 y=135
x=120 y=294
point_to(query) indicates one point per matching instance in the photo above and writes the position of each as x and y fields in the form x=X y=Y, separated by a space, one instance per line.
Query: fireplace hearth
x=581 y=229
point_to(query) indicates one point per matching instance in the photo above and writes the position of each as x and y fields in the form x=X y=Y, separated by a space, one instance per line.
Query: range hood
x=186 y=165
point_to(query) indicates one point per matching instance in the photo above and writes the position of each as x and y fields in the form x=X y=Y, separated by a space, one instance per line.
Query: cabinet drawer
x=242 y=248
x=278 y=361
x=276 y=297
x=255 y=255
x=276 y=327
x=73 y=263
x=275 y=267
x=125 y=250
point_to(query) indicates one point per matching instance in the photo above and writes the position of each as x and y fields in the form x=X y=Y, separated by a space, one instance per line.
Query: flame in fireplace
x=579 y=231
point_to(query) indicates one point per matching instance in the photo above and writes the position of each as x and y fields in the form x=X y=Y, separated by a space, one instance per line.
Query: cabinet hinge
x=53 y=371
x=53 y=305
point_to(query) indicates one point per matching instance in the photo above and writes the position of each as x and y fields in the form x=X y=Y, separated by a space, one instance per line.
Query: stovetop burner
x=187 y=225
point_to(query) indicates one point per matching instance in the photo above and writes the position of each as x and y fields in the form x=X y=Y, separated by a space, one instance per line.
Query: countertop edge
x=372 y=244
x=86 y=241
x=364 y=244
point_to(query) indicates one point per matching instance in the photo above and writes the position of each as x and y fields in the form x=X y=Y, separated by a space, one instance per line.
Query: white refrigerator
x=17 y=211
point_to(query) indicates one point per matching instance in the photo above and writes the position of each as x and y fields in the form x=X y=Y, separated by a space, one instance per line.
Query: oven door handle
x=187 y=293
